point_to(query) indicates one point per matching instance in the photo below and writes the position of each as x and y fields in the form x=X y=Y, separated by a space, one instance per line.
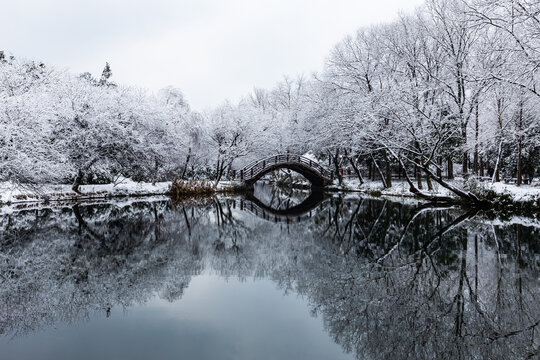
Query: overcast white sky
x=211 y=49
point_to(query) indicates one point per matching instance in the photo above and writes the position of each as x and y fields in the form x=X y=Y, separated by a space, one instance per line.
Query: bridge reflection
x=293 y=214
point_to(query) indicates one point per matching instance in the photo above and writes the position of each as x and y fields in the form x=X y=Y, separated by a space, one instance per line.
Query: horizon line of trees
x=451 y=89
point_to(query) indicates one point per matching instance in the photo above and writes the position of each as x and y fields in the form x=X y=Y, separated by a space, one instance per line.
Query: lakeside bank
x=501 y=196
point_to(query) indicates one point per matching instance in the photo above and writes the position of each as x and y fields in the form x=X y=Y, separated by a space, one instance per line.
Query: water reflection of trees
x=61 y=264
x=410 y=291
x=389 y=280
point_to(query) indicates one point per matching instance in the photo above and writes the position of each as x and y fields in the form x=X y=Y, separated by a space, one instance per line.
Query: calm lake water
x=273 y=276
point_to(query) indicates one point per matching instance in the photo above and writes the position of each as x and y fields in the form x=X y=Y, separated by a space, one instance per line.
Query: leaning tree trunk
x=356 y=170
x=412 y=188
x=464 y=195
x=380 y=172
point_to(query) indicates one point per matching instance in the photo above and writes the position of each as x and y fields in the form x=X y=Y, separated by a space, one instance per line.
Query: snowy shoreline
x=11 y=193
x=15 y=194
x=524 y=194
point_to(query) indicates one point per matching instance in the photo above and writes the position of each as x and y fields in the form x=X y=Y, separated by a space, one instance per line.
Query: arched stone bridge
x=311 y=170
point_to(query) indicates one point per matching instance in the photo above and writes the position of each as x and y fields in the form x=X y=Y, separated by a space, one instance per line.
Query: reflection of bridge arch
x=311 y=170
x=297 y=213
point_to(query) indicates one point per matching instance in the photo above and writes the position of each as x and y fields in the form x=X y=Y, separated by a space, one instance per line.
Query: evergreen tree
x=105 y=75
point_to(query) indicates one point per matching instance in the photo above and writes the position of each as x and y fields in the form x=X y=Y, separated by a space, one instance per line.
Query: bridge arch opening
x=284 y=175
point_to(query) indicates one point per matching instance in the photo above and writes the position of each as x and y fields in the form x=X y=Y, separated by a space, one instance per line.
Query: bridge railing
x=256 y=167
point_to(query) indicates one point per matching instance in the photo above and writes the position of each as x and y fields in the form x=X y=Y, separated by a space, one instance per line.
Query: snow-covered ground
x=398 y=188
x=226 y=185
x=521 y=193
x=12 y=193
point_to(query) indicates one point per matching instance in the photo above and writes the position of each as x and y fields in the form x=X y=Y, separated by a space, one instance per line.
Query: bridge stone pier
x=311 y=170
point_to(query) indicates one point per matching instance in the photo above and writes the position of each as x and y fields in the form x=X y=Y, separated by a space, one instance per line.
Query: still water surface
x=267 y=277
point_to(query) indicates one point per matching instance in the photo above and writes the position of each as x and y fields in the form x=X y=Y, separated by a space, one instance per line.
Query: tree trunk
x=450 y=170
x=496 y=173
x=481 y=166
x=465 y=160
x=380 y=172
x=220 y=168
x=388 y=170
x=465 y=168
x=462 y=194
x=336 y=165
x=413 y=188
x=183 y=177
x=520 y=127
x=429 y=184
x=418 y=175
x=519 y=179
x=356 y=170
x=77 y=182
x=156 y=169
x=476 y=142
